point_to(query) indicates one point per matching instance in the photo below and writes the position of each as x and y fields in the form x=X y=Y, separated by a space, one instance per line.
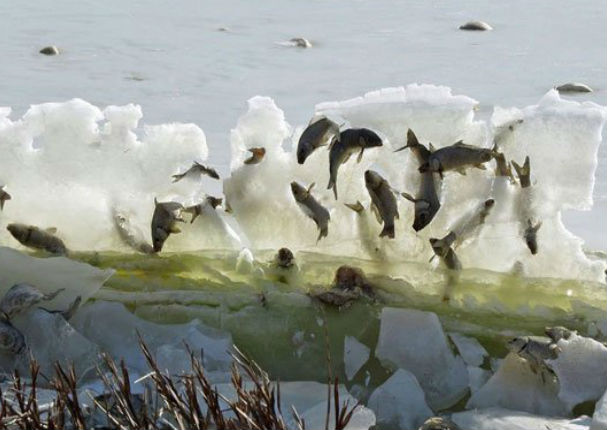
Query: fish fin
x=480 y=166
x=356 y=207
x=51 y=230
x=461 y=171
x=333 y=184
x=387 y=231
x=526 y=166
x=523 y=170
x=409 y=197
x=175 y=229
x=411 y=138
x=178 y=177
x=375 y=210
x=322 y=233
x=459 y=143
x=194 y=216
x=311 y=186
x=431 y=147
x=401 y=148
x=360 y=155
x=155 y=201
x=537 y=226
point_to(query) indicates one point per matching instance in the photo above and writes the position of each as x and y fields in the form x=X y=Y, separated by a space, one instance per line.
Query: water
x=178 y=67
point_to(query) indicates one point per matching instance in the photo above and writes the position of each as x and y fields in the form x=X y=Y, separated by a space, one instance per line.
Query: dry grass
x=187 y=402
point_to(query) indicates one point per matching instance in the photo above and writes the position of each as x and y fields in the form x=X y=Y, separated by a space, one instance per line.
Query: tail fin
x=356 y=207
x=324 y=231
x=523 y=172
x=333 y=185
x=411 y=141
x=178 y=177
x=387 y=231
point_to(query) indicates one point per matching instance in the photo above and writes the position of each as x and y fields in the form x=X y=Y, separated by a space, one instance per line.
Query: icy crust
x=72 y=165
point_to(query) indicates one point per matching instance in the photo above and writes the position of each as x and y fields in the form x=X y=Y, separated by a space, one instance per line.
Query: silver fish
x=197 y=168
x=383 y=201
x=196 y=210
x=4 y=196
x=535 y=350
x=531 y=229
x=457 y=157
x=426 y=200
x=318 y=132
x=312 y=208
x=257 y=155
x=11 y=339
x=349 y=142
x=530 y=235
x=21 y=297
x=164 y=220
x=130 y=234
x=36 y=238
x=446 y=253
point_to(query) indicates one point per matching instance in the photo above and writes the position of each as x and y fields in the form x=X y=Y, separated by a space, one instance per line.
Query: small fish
x=382 y=200
x=351 y=278
x=36 y=238
x=21 y=297
x=535 y=350
x=300 y=42
x=257 y=157
x=426 y=200
x=523 y=172
x=197 y=168
x=349 y=142
x=70 y=311
x=530 y=235
x=130 y=234
x=557 y=333
x=312 y=208
x=457 y=157
x=318 y=132
x=574 y=87
x=356 y=207
x=4 y=196
x=164 y=220
x=11 y=339
x=196 y=210
x=446 y=253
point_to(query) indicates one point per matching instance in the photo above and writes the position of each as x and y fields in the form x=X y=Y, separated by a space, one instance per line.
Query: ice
x=414 y=340
x=599 y=418
x=469 y=348
x=514 y=386
x=362 y=418
x=355 y=356
x=50 y=274
x=114 y=329
x=504 y=419
x=581 y=368
x=477 y=377
x=400 y=402
x=51 y=339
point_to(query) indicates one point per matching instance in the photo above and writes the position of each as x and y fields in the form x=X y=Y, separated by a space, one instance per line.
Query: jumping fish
x=312 y=208
x=535 y=350
x=197 y=168
x=164 y=220
x=130 y=234
x=257 y=155
x=530 y=231
x=426 y=200
x=36 y=238
x=446 y=253
x=349 y=142
x=457 y=157
x=318 y=132
x=382 y=200
x=4 y=196
x=196 y=210
x=21 y=297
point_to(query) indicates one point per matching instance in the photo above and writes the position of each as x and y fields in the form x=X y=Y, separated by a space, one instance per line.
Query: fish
x=530 y=235
x=36 y=238
x=535 y=350
x=457 y=157
x=21 y=297
x=257 y=157
x=197 y=168
x=4 y=196
x=426 y=201
x=349 y=278
x=164 y=219
x=130 y=234
x=312 y=208
x=347 y=143
x=318 y=132
x=573 y=87
x=196 y=210
x=446 y=253
x=284 y=258
x=382 y=200
x=11 y=339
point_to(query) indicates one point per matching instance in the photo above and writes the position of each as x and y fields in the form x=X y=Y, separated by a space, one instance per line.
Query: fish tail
x=333 y=185
x=178 y=177
x=324 y=231
x=388 y=231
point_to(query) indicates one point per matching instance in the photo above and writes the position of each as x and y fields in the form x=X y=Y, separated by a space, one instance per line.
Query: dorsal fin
x=310 y=187
x=431 y=147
